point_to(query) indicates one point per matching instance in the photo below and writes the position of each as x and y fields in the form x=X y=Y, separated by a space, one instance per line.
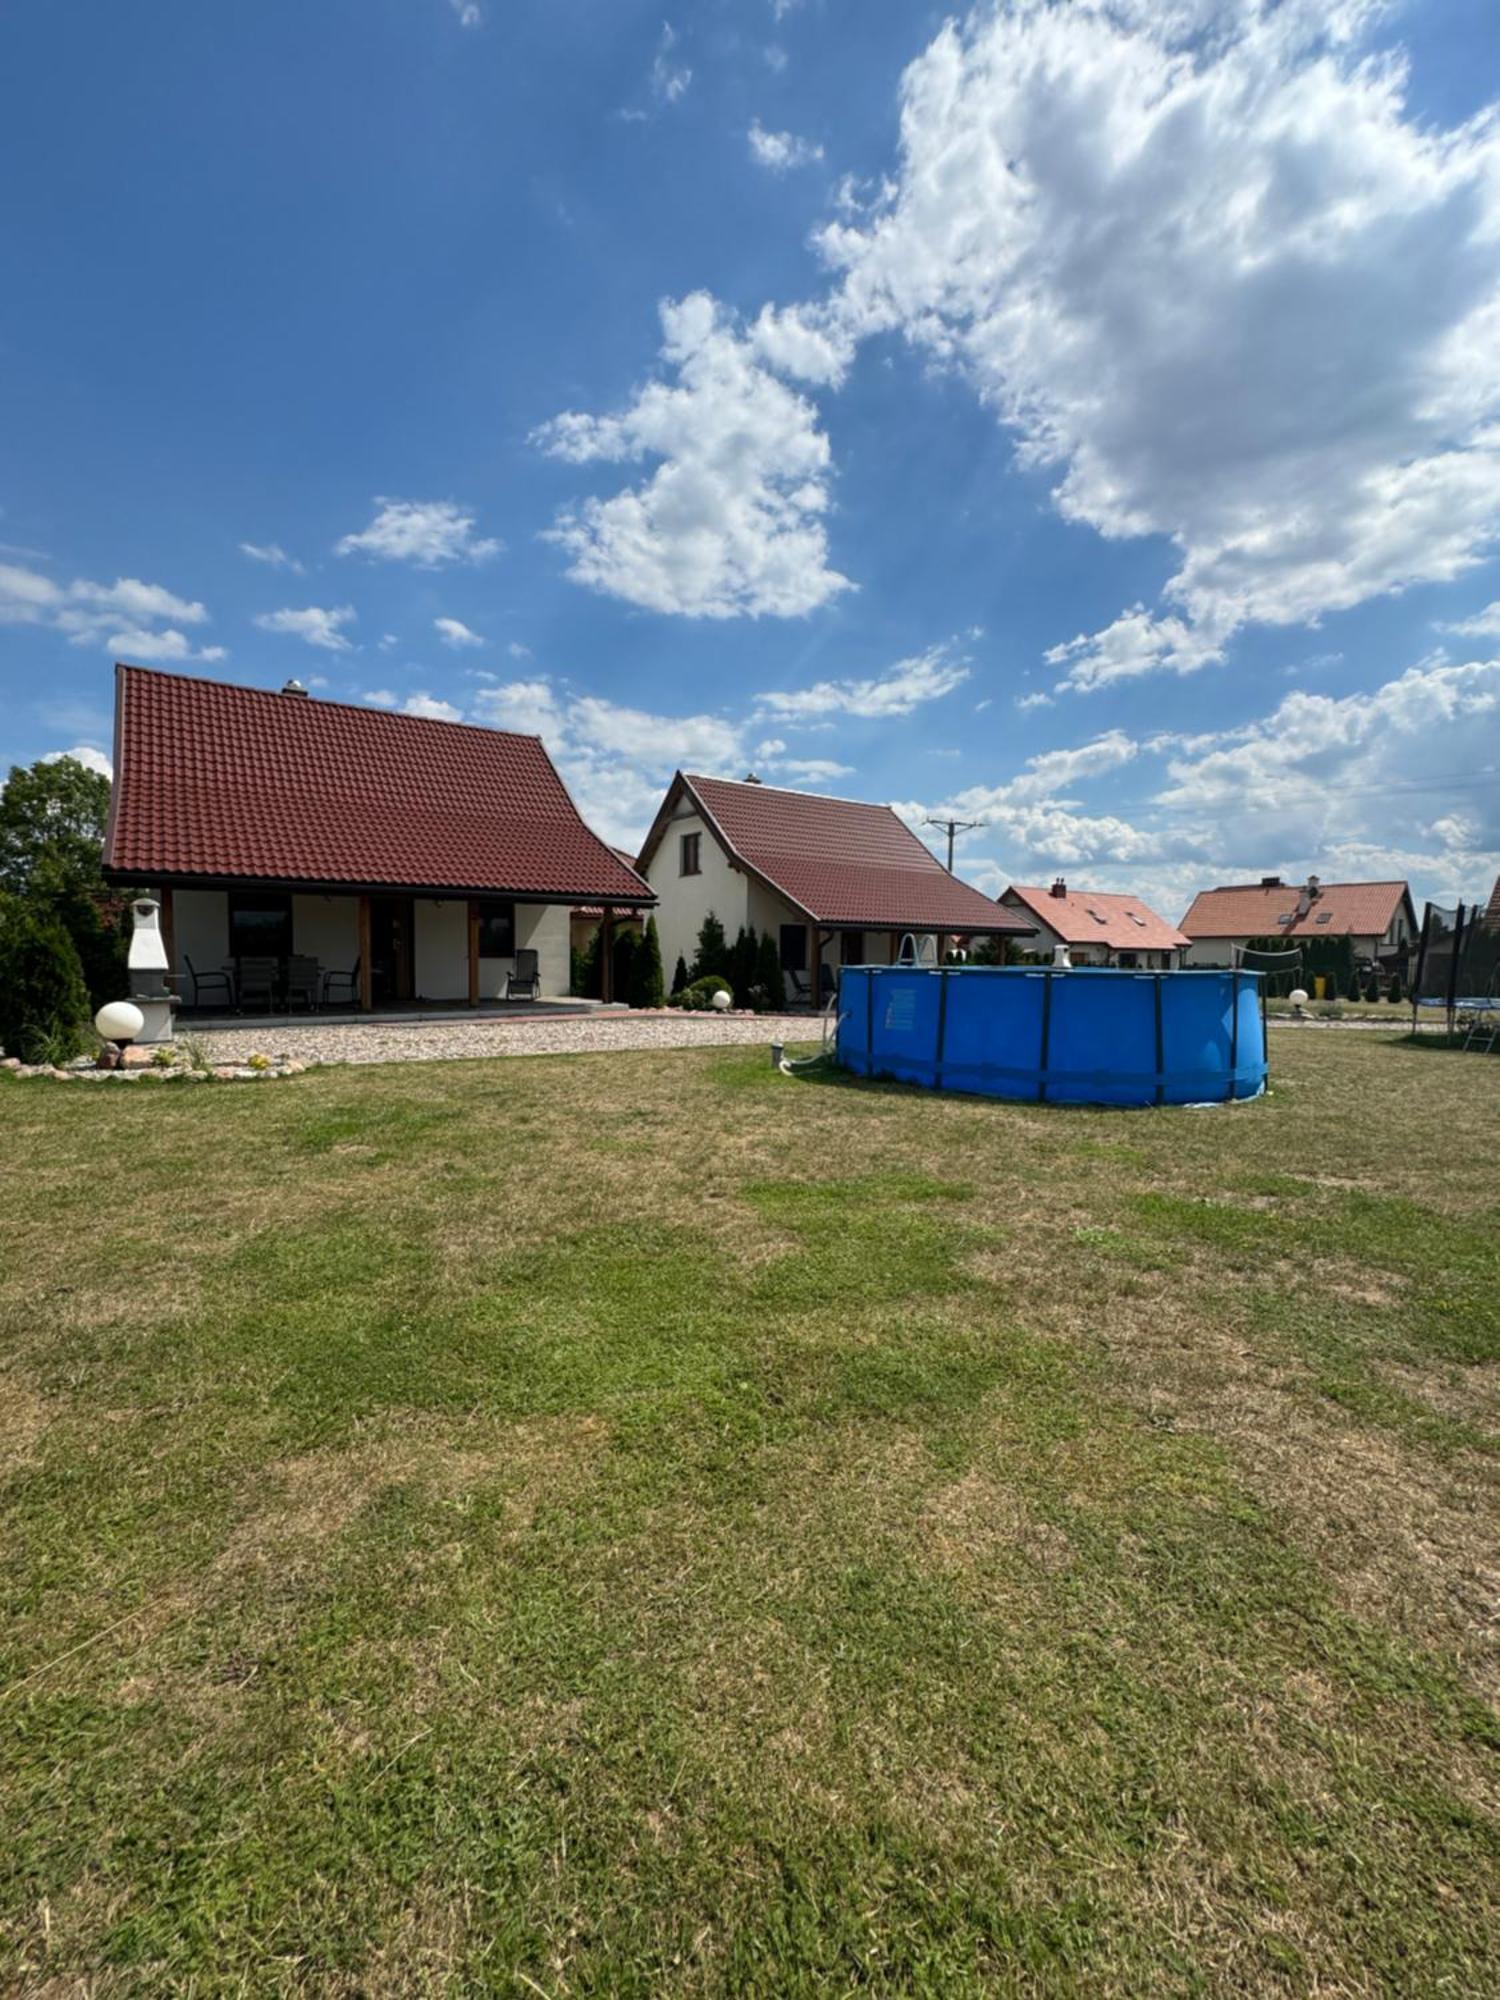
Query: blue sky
x=1085 y=421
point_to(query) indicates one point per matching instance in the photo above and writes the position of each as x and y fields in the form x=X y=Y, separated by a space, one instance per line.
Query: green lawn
x=643 y=1525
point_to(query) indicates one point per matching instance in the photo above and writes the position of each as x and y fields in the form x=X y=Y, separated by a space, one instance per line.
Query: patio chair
x=342 y=986
x=256 y=981
x=304 y=980
x=208 y=988
x=801 y=989
x=526 y=973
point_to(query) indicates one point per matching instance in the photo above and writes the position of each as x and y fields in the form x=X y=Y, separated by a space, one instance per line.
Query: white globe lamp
x=723 y=1001
x=119 y=1023
x=1298 y=996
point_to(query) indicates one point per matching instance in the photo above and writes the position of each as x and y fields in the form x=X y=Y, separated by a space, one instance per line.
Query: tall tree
x=52 y=819
x=713 y=951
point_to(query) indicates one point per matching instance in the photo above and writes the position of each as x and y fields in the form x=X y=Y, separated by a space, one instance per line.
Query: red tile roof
x=1492 y=914
x=1084 y=916
x=1252 y=909
x=843 y=862
x=222 y=783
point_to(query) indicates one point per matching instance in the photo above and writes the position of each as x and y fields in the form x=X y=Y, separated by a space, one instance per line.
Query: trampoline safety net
x=1458 y=961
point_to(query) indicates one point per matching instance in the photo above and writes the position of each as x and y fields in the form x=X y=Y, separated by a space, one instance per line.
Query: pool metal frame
x=1043 y=1074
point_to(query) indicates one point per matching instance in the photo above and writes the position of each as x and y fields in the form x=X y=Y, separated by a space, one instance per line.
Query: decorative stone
x=10 y=1062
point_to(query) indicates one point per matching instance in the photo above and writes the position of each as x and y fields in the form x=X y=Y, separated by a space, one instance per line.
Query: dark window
x=497 y=930
x=1127 y=960
x=851 y=947
x=691 y=851
x=259 y=926
x=794 y=947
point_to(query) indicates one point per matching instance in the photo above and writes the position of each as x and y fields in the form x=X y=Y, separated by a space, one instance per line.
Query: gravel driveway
x=457 y=1041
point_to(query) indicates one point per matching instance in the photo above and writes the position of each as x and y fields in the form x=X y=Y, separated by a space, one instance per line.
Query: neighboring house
x=426 y=853
x=1377 y=916
x=1098 y=929
x=835 y=882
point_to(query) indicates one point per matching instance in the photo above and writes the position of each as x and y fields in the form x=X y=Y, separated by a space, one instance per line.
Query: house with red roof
x=1378 y=917
x=835 y=881
x=1098 y=929
x=413 y=857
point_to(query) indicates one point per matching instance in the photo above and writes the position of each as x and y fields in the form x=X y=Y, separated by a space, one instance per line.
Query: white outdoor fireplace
x=148 y=971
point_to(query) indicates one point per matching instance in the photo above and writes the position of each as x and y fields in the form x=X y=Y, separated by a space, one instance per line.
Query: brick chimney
x=1059 y=889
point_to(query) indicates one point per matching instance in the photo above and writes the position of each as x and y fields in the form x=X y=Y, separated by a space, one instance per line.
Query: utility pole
x=952 y=827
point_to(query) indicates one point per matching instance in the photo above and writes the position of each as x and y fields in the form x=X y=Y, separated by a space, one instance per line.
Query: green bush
x=44 y=1003
x=646 y=980
x=744 y=957
x=699 y=997
x=1393 y=991
x=679 y=977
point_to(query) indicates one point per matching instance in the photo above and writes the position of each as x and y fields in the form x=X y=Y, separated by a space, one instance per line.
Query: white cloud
x=669 y=77
x=156 y=645
x=925 y=677
x=1484 y=624
x=85 y=754
x=730 y=523
x=387 y=641
x=660 y=741
x=469 y=15
x=272 y=554
x=453 y=632
x=517 y=651
x=428 y=533
x=315 y=625
x=528 y=707
x=429 y=706
x=380 y=698
x=127 y=618
x=809 y=770
x=780 y=152
x=1204 y=263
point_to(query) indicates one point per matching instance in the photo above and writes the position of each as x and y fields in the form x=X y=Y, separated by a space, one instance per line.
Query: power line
x=953 y=827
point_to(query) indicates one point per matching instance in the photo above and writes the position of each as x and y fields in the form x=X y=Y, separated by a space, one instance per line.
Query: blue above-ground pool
x=1056 y=1035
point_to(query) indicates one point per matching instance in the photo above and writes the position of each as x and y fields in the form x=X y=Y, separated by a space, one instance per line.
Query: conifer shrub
x=769 y=985
x=647 y=982
x=712 y=957
x=44 y=1003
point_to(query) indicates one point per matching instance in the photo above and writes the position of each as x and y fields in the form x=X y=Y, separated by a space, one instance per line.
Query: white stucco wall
x=440 y=956
x=1221 y=951
x=685 y=900
x=327 y=928
x=200 y=927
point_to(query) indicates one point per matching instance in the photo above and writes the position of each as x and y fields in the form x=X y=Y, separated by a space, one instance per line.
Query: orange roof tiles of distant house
x=845 y=863
x=1269 y=909
x=1085 y=916
x=221 y=783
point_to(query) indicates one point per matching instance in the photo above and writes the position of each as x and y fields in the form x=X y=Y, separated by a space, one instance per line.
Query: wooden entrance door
x=392 y=946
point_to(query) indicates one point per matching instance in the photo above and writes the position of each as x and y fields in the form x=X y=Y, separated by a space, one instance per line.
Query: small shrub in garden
x=679 y=976
x=1393 y=991
x=699 y=997
x=44 y=1004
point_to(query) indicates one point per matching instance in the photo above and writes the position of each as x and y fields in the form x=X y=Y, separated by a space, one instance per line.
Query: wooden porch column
x=607 y=954
x=473 y=951
x=366 y=970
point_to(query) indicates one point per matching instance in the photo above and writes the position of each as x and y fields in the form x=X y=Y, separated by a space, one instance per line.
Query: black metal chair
x=257 y=980
x=342 y=986
x=304 y=980
x=527 y=973
x=801 y=989
x=208 y=988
